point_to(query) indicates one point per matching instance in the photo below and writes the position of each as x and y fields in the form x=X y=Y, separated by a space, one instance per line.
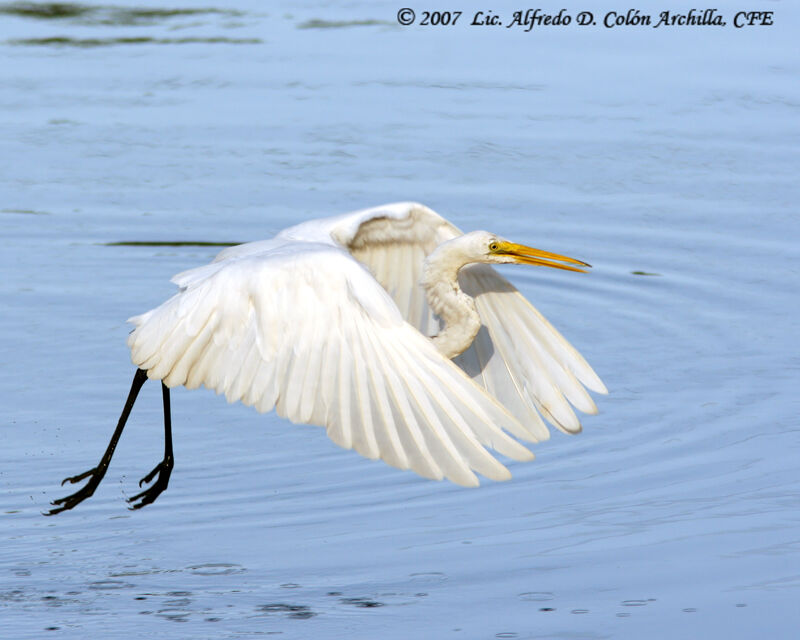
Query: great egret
x=328 y=322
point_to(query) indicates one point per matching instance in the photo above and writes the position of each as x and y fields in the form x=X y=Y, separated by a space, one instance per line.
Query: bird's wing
x=392 y=241
x=306 y=329
x=520 y=358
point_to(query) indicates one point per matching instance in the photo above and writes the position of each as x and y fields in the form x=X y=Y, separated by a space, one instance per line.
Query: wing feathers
x=446 y=454
x=301 y=327
x=388 y=439
x=538 y=387
x=180 y=372
x=522 y=360
x=339 y=430
x=393 y=242
x=408 y=429
x=343 y=360
x=364 y=429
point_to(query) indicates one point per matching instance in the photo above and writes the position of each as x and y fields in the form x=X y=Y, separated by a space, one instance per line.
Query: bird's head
x=490 y=248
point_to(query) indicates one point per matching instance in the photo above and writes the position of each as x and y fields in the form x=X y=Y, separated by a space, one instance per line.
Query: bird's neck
x=448 y=301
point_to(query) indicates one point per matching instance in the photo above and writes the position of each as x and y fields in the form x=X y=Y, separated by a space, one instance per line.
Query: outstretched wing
x=517 y=357
x=522 y=360
x=304 y=328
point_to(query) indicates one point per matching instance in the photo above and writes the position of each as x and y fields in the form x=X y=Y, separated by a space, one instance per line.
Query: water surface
x=667 y=159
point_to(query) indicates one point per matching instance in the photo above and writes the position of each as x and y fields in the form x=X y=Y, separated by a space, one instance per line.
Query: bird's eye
x=493 y=246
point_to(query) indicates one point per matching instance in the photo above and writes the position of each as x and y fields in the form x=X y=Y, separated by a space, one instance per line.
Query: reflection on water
x=105 y=15
x=169 y=243
x=67 y=15
x=216 y=569
x=673 y=159
x=29 y=212
x=298 y=611
x=62 y=41
x=318 y=23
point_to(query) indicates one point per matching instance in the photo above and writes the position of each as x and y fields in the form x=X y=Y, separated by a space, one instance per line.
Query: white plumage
x=329 y=324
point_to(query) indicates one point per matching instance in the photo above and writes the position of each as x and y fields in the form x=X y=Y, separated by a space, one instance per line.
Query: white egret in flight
x=387 y=326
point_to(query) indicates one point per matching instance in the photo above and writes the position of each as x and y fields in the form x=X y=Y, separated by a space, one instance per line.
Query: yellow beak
x=528 y=255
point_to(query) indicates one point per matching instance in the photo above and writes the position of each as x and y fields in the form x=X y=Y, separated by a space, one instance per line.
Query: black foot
x=70 y=501
x=149 y=495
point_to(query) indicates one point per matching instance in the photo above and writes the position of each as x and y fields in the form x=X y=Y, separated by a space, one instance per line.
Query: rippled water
x=667 y=153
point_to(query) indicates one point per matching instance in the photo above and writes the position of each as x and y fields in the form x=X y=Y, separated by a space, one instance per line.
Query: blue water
x=666 y=151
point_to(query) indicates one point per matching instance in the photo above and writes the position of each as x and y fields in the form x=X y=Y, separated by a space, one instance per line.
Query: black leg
x=96 y=474
x=163 y=468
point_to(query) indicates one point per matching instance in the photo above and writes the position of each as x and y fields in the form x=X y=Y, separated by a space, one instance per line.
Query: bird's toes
x=162 y=468
x=79 y=477
x=150 y=475
x=133 y=499
x=146 y=497
x=70 y=501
